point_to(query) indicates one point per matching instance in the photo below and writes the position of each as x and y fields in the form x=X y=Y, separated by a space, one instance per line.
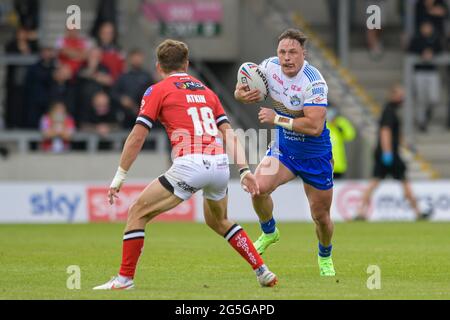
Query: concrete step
x=392 y=59
x=83 y=167
x=443 y=169
x=378 y=78
x=437 y=153
x=442 y=137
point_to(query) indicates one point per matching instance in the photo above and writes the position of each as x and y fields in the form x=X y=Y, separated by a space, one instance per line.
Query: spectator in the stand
x=111 y=54
x=388 y=161
x=341 y=132
x=62 y=88
x=57 y=128
x=72 y=49
x=130 y=87
x=434 y=11
x=92 y=78
x=426 y=75
x=101 y=118
x=28 y=12
x=106 y=12
x=38 y=85
x=21 y=45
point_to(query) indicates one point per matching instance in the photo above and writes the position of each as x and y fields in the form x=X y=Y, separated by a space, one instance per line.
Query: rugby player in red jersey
x=199 y=130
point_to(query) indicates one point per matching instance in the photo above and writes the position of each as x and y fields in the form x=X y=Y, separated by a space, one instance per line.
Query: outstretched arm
x=131 y=149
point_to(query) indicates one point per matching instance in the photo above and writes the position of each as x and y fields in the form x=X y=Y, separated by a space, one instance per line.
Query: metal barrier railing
x=23 y=140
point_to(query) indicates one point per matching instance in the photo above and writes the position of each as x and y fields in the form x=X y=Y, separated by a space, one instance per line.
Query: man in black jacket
x=426 y=76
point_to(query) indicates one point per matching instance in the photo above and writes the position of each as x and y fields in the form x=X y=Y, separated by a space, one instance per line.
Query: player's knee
x=322 y=217
x=320 y=212
x=137 y=210
x=264 y=190
x=218 y=225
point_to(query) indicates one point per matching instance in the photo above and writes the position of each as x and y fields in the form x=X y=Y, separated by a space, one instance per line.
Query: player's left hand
x=250 y=185
x=266 y=115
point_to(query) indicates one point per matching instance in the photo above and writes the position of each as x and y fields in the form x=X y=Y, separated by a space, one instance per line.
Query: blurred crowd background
x=69 y=86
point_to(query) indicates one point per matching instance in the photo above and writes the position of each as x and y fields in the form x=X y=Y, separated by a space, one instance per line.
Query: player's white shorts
x=193 y=172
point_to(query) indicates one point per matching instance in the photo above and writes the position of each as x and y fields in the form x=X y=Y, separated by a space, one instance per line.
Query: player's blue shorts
x=317 y=172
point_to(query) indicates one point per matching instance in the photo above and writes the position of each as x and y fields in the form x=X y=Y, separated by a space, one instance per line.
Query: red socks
x=133 y=242
x=239 y=240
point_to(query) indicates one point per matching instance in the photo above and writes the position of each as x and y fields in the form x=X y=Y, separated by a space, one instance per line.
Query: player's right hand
x=116 y=184
x=244 y=95
x=112 y=193
x=250 y=185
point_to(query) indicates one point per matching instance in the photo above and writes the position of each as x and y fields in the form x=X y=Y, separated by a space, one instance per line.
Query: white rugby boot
x=116 y=284
x=267 y=279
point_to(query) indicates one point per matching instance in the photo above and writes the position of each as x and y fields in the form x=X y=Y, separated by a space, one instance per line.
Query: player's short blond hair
x=172 y=55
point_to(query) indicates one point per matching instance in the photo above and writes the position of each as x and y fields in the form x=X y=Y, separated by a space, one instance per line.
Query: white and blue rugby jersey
x=291 y=95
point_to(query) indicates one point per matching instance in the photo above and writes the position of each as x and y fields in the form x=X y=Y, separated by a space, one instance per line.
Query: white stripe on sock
x=233 y=232
x=134 y=235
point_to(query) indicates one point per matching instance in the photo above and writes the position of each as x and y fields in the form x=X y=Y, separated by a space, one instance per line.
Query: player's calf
x=239 y=240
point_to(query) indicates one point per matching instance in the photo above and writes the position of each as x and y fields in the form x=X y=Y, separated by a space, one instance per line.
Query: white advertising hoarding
x=42 y=203
x=388 y=203
x=77 y=203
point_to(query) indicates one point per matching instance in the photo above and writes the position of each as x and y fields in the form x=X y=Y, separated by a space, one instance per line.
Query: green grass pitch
x=189 y=261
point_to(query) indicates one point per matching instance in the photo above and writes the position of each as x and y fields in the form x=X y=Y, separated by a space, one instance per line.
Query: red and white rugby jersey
x=189 y=111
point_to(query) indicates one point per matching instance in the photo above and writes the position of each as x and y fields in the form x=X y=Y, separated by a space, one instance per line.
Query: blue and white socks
x=269 y=226
x=325 y=252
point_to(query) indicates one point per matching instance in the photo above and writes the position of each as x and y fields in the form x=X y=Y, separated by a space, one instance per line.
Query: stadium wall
x=86 y=202
x=75 y=166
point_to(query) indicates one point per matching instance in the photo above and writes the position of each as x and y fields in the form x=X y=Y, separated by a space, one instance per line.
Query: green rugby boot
x=265 y=240
x=326 y=267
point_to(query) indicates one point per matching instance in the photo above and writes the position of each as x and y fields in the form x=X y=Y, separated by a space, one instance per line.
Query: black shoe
x=359 y=218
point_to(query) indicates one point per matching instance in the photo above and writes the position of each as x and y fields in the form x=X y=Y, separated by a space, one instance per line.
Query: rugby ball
x=250 y=75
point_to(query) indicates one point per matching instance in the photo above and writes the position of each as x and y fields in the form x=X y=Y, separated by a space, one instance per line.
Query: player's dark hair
x=293 y=34
x=172 y=55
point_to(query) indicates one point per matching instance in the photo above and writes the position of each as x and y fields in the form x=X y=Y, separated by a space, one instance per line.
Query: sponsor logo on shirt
x=277 y=79
x=295 y=101
x=318 y=91
x=296 y=88
x=189 y=85
x=148 y=91
x=318 y=83
x=319 y=99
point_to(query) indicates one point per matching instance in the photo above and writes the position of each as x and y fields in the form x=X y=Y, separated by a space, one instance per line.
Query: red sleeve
x=150 y=107
x=219 y=112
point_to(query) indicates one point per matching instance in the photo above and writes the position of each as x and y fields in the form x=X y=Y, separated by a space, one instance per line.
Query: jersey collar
x=180 y=74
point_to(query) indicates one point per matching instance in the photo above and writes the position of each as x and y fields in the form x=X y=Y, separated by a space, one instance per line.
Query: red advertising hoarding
x=100 y=210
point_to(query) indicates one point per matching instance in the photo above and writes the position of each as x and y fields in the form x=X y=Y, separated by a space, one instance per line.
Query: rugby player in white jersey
x=302 y=147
